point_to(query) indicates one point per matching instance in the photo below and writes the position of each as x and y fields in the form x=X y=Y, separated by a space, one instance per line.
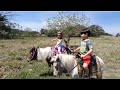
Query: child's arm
x=89 y=52
x=54 y=39
x=56 y=45
x=90 y=46
x=77 y=50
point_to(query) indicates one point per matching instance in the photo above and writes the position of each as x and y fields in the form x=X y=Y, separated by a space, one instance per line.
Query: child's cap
x=85 y=31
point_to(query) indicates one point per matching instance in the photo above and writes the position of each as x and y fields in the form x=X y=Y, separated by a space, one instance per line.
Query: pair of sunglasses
x=83 y=33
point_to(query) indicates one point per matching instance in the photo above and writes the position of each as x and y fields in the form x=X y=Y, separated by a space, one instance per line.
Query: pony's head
x=33 y=53
x=57 y=65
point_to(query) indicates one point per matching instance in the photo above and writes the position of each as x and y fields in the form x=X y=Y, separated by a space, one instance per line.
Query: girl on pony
x=59 y=44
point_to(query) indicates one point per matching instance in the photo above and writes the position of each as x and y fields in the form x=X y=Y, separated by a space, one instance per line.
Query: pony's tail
x=102 y=64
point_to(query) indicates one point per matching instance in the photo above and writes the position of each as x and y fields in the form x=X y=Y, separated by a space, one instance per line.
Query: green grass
x=106 y=47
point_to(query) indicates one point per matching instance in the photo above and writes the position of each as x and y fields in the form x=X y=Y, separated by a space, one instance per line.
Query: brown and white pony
x=68 y=62
x=41 y=54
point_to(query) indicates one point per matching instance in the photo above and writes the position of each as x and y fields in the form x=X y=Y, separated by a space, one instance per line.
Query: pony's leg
x=99 y=75
x=49 y=69
x=99 y=71
x=49 y=64
x=81 y=73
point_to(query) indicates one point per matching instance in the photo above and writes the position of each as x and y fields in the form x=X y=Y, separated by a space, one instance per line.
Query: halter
x=33 y=53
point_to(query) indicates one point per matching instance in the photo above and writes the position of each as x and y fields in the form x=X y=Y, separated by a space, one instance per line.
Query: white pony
x=41 y=54
x=44 y=53
x=65 y=61
x=69 y=63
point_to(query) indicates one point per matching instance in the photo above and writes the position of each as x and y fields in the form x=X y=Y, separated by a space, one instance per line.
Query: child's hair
x=59 y=34
x=85 y=31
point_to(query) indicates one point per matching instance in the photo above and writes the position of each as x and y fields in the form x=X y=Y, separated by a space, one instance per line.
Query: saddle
x=92 y=61
x=92 y=66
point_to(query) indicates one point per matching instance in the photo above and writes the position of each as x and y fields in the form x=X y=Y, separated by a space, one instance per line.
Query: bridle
x=33 y=50
x=76 y=66
x=73 y=67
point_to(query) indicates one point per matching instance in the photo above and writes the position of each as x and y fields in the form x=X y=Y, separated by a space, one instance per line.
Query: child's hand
x=82 y=55
x=74 y=57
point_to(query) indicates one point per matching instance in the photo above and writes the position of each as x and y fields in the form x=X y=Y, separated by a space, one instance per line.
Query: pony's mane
x=67 y=60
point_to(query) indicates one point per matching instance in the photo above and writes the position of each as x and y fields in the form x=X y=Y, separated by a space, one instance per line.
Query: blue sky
x=109 y=20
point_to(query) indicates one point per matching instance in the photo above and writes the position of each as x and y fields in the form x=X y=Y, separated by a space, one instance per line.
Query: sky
x=108 y=20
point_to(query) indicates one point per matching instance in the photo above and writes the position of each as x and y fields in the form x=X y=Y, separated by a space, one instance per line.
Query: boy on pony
x=85 y=49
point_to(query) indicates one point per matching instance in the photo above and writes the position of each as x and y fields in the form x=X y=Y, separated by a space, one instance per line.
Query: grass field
x=14 y=53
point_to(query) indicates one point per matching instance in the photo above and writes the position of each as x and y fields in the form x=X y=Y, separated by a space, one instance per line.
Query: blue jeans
x=59 y=49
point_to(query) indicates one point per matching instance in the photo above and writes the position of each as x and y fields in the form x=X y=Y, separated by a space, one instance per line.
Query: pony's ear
x=53 y=59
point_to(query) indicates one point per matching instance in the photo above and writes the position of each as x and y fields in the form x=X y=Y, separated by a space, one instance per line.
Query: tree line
x=8 y=31
x=70 y=25
x=95 y=30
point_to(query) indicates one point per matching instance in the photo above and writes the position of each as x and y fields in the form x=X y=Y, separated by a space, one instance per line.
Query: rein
x=73 y=68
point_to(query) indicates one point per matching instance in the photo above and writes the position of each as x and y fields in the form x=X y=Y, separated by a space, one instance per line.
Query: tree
x=69 y=24
x=96 y=30
x=5 y=24
x=63 y=22
x=118 y=35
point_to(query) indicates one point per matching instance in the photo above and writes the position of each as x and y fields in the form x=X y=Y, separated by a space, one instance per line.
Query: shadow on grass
x=47 y=74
